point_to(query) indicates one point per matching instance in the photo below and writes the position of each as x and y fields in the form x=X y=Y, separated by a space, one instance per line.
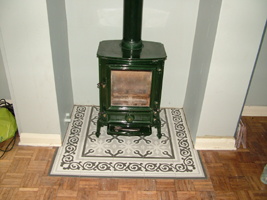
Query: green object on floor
x=8 y=126
x=264 y=175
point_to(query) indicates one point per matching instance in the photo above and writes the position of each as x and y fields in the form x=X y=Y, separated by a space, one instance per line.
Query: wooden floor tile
x=210 y=157
x=225 y=195
x=46 y=193
x=13 y=180
x=19 y=165
x=191 y=195
x=167 y=195
x=239 y=183
x=50 y=181
x=128 y=195
x=220 y=183
x=44 y=154
x=258 y=195
x=184 y=185
x=37 y=166
x=91 y=184
x=30 y=180
x=208 y=195
x=256 y=184
x=243 y=194
x=108 y=184
x=127 y=184
x=146 y=184
x=85 y=194
x=25 y=152
x=6 y=193
x=203 y=185
x=230 y=175
x=69 y=183
x=233 y=169
x=165 y=185
x=5 y=165
x=228 y=156
x=26 y=194
x=109 y=195
x=67 y=193
x=147 y=195
x=216 y=169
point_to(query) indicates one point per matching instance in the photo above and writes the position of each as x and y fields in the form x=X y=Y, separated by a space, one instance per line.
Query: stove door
x=131 y=88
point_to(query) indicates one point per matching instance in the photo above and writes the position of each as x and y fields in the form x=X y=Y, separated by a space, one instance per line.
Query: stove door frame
x=143 y=117
x=134 y=68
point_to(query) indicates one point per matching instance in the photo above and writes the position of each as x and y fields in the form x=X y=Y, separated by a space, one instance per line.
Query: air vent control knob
x=129 y=118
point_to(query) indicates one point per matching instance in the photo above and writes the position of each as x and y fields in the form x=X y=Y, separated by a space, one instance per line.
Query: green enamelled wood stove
x=130 y=79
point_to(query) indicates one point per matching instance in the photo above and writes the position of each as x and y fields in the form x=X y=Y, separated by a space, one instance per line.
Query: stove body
x=130 y=79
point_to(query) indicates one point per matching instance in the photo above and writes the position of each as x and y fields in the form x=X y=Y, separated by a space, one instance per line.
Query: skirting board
x=260 y=111
x=38 y=139
x=215 y=143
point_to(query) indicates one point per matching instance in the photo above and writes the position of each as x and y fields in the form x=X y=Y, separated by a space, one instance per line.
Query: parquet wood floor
x=231 y=175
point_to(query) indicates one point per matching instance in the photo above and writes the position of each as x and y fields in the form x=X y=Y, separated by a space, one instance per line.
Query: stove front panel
x=130 y=97
x=130 y=88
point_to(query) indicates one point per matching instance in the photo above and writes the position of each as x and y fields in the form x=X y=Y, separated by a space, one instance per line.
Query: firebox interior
x=130 y=88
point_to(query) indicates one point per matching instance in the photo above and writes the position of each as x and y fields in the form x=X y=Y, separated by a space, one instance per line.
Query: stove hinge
x=101 y=84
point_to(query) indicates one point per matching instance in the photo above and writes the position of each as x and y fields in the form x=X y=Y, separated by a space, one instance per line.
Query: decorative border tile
x=179 y=161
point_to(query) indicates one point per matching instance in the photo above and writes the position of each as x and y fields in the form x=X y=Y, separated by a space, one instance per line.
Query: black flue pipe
x=132 y=24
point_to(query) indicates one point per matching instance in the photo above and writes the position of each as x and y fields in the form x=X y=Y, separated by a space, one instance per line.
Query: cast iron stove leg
x=99 y=125
x=159 y=132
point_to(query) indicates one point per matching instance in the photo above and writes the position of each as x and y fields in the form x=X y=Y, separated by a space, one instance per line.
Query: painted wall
x=257 y=95
x=60 y=55
x=208 y=16
x=29 y=45
x=26 y=51
x=172 y=23
x=4 y=89
x=240 y=27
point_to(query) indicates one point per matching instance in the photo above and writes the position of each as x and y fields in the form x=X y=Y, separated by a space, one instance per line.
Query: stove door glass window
x=130 y=88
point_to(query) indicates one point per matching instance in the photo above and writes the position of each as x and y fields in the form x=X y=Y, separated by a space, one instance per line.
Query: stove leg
x=97 y=134
x=99 y=125
x=159 y=132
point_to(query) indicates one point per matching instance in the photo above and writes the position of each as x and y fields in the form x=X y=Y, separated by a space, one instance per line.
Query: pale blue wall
x=35 y=56
x=238 y=37
x=33 y=69
x=34 y=38
x=257 y=95
x=225 y=49
x=171 y=22
x=4 y=89
x=60 y=55
x=208 y=16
